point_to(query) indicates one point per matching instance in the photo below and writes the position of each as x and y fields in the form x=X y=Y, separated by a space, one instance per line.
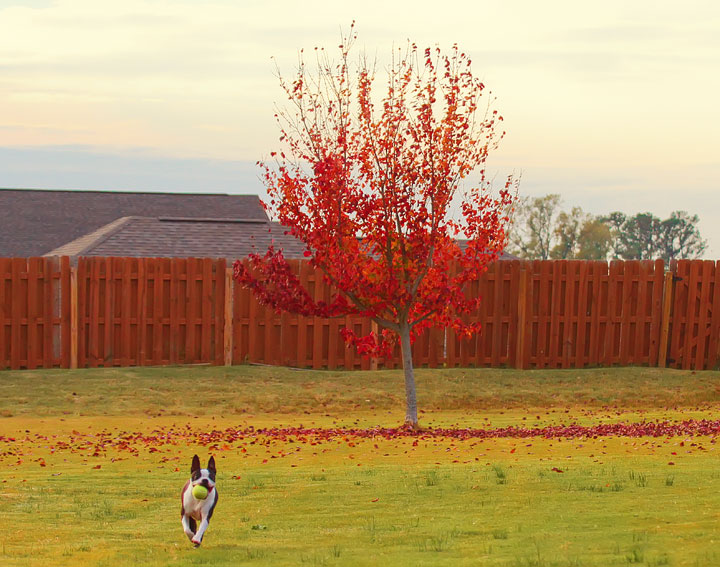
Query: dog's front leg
x=187 y=527
x=197 y=540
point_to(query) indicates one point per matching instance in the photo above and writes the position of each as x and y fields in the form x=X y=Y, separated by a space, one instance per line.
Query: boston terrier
x=194 y=510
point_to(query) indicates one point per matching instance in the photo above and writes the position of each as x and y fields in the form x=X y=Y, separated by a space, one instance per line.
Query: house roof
x=183 y=237
x=170 y=237
x=34 y=222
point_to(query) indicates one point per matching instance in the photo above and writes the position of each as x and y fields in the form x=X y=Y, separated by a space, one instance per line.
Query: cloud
x=131 y=169
x=609 y=104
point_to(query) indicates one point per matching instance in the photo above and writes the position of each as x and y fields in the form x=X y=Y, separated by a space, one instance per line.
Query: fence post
x=522 y=317
x=228 y=318
x=74 y=315
x=665 y=318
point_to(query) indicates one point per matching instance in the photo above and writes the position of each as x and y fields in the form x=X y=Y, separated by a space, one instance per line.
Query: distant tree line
x=542 y=229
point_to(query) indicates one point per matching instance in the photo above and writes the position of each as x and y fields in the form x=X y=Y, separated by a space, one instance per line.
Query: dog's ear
x=195 y=464
x=211 y=464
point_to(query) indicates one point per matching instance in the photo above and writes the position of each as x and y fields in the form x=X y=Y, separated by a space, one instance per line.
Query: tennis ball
x=200 y=492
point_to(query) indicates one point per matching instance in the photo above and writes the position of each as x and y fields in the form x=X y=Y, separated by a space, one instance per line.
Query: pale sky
x=615 y=104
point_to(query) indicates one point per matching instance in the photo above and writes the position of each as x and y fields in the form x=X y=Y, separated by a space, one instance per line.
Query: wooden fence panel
x=583 y=314
x=150 y=311
x=498 y=315
x=541 y=314
x=496 y=343
x=695 y=318
x=34 y=332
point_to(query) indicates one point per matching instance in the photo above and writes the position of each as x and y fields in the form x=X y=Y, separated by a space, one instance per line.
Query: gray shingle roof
x=176 y=237
x=183 y=237
x=34 y=222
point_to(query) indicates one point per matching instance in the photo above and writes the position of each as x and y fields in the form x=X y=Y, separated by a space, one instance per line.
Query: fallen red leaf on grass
x=162 y=439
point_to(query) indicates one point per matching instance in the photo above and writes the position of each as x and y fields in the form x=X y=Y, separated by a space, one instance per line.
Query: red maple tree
x=373 y=185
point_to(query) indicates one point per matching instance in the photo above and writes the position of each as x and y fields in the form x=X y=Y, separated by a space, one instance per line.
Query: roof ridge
x=127 y=192
x=92 y=239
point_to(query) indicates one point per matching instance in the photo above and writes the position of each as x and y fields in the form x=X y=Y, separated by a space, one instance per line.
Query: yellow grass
x=349 y=500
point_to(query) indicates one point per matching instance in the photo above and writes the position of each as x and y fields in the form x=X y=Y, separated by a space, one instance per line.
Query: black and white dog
x=194 y=510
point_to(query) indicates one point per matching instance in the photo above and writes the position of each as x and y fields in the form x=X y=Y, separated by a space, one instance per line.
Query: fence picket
x=49 y=269
x=691 y=312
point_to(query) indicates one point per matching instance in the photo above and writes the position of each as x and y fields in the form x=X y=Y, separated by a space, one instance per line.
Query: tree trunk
x=411 y=416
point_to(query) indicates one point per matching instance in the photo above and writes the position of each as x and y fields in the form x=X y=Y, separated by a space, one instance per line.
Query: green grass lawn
x=93 y=462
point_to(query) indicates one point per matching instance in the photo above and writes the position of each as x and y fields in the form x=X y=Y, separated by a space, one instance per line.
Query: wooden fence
x=540 y=314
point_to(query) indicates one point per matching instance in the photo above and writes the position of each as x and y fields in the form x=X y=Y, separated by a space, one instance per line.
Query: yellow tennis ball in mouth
x=200 y=492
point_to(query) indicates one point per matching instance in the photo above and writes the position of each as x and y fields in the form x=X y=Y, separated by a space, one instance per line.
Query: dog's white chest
x=197 y=509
